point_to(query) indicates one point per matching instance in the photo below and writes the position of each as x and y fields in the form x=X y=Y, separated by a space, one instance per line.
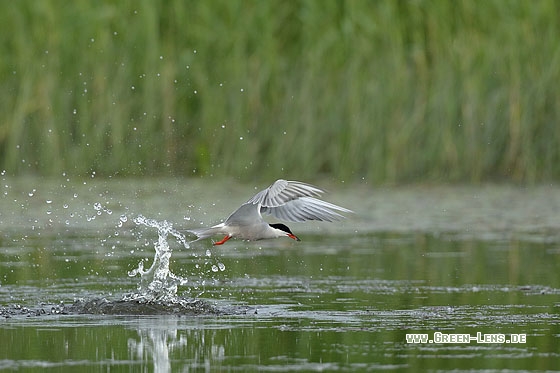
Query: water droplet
x=97 y=206
x=214 y=268
x=222 y=266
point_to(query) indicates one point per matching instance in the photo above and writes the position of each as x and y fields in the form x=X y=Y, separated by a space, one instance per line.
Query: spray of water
x=157 y=288
x=158 y=283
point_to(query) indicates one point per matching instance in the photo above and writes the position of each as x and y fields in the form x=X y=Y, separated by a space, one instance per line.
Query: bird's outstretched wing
x=295 y=201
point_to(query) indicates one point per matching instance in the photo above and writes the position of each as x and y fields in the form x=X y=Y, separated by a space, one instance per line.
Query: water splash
x=158 y=283
x=157 y=289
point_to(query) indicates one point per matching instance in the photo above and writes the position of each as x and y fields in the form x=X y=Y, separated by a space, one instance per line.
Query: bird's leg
x=222 y=241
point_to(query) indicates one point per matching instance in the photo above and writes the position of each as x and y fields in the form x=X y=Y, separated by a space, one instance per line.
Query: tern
x=292 y=201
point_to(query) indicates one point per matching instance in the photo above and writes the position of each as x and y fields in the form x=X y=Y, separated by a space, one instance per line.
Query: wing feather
x=295 y=201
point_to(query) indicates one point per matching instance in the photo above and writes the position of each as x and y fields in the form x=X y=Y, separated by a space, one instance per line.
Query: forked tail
x=202 y=233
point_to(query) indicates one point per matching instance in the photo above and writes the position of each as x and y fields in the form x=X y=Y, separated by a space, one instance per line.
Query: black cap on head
x=285 y=228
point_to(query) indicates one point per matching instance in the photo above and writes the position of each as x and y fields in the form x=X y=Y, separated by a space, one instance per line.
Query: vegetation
x=386 y=91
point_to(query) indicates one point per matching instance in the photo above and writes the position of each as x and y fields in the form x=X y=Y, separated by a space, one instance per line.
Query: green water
x=411 y=260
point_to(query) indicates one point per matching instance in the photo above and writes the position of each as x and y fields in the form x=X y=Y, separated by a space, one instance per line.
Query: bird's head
x=284 y=231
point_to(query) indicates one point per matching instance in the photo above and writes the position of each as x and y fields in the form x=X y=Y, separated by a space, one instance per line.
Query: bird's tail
x=202 y=233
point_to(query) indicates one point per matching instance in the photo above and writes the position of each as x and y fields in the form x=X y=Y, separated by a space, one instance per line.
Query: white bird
x=285 y=200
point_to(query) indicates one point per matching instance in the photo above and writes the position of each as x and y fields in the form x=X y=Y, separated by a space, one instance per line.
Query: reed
x=384 y=91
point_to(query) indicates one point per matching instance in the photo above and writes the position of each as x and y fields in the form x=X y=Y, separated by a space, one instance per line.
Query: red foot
x=222 y=241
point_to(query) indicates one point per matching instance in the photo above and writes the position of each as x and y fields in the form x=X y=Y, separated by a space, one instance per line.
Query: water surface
x=411 y=260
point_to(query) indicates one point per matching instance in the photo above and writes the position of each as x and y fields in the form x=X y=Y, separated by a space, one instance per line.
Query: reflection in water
x=152 y=343
x=160 y=340
x=155 y=342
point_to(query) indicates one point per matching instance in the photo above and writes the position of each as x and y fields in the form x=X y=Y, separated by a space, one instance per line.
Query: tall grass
x=385 y=91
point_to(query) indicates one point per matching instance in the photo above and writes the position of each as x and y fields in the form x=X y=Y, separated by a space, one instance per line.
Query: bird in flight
x=292 y=201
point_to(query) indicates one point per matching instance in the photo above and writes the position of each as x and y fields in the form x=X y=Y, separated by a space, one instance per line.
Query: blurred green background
x=384 y=91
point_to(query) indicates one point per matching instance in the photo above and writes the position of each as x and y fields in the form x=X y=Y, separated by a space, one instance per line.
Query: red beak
x=293 y=237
